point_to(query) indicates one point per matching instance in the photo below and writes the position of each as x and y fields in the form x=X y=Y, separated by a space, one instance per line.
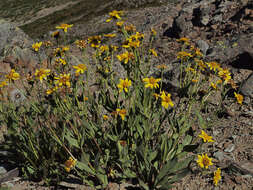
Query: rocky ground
x=223 y=30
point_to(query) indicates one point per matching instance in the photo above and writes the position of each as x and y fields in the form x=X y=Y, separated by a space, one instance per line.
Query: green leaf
x=179 y=176
x=71 y=140
x=165 y=170
x=202 y=122
x=187 y=140
x=181 y=165
x=129 y=174
x=144 y=185
x=85 y=167
x=102 y=178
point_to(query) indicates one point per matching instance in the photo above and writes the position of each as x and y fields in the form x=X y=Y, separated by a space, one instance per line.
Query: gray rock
x=2 y=170
x=219 y=155
x=247 y=86
x=230 y=148
x=204 y=47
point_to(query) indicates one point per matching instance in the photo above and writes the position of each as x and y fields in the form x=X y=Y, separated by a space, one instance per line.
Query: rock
x=230 y=148
x=219 y=155
x=203 y=45
x=2 y=170
x=247 y=86
x=15 y=43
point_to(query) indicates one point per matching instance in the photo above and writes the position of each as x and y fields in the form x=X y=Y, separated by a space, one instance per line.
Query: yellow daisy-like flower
x=130 y=28
x=198 y=52
x=64 y=27
x=62 y=80
x=204 y=161
x=239 y=97
x=125 y=57
x=152 y=51
x=225 y=75
x=183 y=39
x=213 y=85
x=80 y=68
x=3 y=83
x=124 y=84
x=217 y=176
x=119 y=23
x=213 y=66
x=115 y=15
x=80 y=44
x=166 y=100
x=69 y=164
x=55 y=34
x=60 y=61
x=183 y=55
x=121 y=112
x=36 y=46
x=12 y=75
x=206 y=137
x=105 y=117
x=151 y=82
x=51 y=90
x=42 y=74
x=110 y=35
x=153 y=32
x=162 y=66
x=94 y=41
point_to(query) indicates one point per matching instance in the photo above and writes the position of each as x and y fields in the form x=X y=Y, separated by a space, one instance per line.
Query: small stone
x=247 y=86
x=203 y=46
x=230 y=148
x=205 y=20
x=219 y=155
x=2 y=170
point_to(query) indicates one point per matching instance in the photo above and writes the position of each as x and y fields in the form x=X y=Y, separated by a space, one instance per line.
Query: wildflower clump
x=113 y=114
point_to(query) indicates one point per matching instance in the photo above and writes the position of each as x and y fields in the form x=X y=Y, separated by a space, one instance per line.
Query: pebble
x=219 y=155
x=2 y=170
x=230 y=148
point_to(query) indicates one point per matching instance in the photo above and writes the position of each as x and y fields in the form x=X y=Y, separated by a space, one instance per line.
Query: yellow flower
x=194 y=80
x=213 y=85
x=213 y=65
x=198 y=52
x=12 y=75
x=201 y=64
x=110 y=35
x=85 y=98
x=103 y=48
x=81 y=44
x=105 y=117
x=124 y=84
x=51 y=90
x=153 y=52
x=206 y=137
x=63 y=79
x=166 y=100
x=239 y=97
x=130 y=28
x=151 y=82
x=60 y=51
x=42 y=74
x=3 y=83
x=153 y=32
x=61 y=61
x=126 y=57
x=183 y=39
x=122 y=113
x=183 y=55
x=64 y=27
x=162 y=66
x=80 y=68
x=47 y=43
x=217 y=176
x=113 y=48
x=94 y=41
x=114 y=15
x=204 y=161
x=36 y=46
x=56 y=34
x=69 y=164
x=224 y=74
x=156 y=96
x=119 y=23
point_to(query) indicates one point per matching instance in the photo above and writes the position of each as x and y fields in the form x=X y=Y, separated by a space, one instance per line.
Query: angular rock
x=247 y=86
